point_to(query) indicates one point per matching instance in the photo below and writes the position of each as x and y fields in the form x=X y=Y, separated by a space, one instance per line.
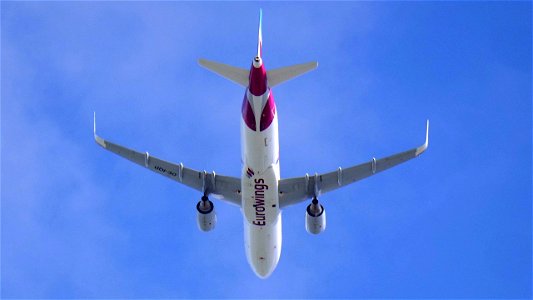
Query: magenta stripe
x=268 y=112
x=248 y=113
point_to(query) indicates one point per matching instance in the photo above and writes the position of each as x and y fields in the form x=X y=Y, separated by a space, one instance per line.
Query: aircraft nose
x=262 y=268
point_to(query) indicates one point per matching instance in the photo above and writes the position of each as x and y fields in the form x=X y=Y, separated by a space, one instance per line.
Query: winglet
x=97 y=139
x=423 y=148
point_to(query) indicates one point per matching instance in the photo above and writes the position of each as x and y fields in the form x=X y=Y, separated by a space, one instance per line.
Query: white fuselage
x=260 y=177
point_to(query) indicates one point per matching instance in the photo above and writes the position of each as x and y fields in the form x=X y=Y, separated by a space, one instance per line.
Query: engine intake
x=315 y=217
x=206 y=215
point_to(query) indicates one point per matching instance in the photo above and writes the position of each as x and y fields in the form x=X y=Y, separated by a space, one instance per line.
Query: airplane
x=260 y=192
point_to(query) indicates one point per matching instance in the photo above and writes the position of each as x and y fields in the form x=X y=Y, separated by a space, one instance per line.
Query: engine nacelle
x=315 y=217
x=207 y=217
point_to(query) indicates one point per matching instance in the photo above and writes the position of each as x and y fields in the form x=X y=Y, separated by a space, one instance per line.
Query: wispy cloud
x=79 y=222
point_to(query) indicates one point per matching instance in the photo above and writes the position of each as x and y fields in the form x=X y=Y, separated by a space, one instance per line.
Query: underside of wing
x=226 y=187
x=295 y=190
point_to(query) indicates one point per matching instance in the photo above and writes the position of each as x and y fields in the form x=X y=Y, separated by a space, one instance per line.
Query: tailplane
x=242 y=76
x=281 y=75
x=235 y=74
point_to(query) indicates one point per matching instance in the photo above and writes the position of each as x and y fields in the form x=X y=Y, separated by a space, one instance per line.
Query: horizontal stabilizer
x=281 y=75
x=237 y=75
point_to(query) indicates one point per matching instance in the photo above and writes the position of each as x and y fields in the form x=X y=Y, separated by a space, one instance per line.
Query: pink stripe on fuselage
x=248 y=113
x=258 y=87
x=268 y=112
x=267 y=116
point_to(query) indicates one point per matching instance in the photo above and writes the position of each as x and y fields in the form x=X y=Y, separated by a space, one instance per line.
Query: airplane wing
x=226 y=187
x=295 y=190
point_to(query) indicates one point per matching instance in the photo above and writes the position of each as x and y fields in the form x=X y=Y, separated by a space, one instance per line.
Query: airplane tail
x=235 y=74
x=260 y=35
x=281 y=75
x=241 y=76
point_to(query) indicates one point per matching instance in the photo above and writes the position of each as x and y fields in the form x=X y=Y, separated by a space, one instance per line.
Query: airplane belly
x=260 y=176
x=260 y=199
x=263 y=246
x=262 y=216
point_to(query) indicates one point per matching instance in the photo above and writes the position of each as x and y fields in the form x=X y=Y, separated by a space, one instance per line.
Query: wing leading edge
x=229 y=188
x=295 y=190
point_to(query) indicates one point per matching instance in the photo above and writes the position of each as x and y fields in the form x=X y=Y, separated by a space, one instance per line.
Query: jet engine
x=206 y=214
x=315 y=217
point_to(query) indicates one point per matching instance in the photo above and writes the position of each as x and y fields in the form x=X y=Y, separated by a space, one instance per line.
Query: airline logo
x=250 y=173
x=259 y=204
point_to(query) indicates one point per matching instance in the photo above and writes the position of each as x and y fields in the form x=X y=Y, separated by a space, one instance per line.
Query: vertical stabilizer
x=260 y=35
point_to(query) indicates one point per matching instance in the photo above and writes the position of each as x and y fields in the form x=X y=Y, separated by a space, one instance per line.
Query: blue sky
x=79 y=222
